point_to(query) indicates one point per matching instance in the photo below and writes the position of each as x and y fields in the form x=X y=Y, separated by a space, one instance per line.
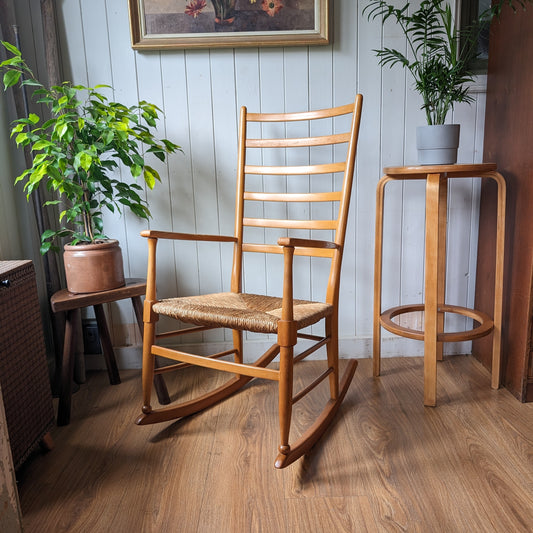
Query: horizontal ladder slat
x=226 y=366
x=295 y=170
x=289 y=224
x=296 y=142
x=294 y=197
x=275 y=249
x=301 y=115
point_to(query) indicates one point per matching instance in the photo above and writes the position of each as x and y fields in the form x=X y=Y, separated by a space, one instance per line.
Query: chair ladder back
x=268 y=158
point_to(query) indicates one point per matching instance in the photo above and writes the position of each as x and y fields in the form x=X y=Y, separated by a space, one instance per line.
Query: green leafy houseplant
x=439 y=55
x=78 y=149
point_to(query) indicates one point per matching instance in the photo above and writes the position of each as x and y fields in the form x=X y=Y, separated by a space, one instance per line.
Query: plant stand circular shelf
x=434 y=307
x=71 y=304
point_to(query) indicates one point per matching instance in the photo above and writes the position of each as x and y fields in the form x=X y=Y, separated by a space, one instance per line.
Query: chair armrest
x=154 y=234
x=307 y=243
x=287 y=333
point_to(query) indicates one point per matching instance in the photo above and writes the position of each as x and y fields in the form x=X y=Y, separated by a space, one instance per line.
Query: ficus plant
x=439 y=54
x=77 y=150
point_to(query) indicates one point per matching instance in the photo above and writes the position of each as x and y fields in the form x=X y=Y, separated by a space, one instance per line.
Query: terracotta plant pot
x=93 y=267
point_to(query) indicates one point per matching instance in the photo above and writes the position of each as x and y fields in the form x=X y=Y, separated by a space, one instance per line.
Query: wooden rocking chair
x=282 y=316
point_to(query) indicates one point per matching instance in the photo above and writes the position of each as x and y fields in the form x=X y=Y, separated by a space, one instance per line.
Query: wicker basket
x=23 y=369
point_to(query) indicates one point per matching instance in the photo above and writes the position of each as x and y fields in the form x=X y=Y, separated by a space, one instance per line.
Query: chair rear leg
x=237 y=345
x=332 y=351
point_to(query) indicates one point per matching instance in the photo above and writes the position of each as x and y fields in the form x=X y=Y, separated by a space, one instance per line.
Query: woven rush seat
x=249 y=312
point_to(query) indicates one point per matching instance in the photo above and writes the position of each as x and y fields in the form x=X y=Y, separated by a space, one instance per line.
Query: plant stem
x=87 y=219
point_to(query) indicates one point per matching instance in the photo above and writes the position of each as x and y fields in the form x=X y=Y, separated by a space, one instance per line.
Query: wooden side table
x=434 y=306
x=71 y=304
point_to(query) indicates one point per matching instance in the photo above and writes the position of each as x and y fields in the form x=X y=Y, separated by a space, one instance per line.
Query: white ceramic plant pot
x=437 y=145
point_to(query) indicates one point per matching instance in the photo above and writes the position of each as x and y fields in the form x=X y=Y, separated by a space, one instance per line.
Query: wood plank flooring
x=388 y=463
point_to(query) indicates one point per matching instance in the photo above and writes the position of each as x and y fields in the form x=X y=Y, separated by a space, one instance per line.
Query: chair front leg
x=287 y=338
x=285 y=397
x=150 y=318
x=148 y=366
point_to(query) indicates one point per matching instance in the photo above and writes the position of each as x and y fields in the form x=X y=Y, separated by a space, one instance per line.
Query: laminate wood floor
x=388 y=463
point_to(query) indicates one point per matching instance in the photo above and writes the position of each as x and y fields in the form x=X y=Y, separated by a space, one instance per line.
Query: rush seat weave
x=245 y=312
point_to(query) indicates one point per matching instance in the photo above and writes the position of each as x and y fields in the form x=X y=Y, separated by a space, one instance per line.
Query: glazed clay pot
x=93 y=267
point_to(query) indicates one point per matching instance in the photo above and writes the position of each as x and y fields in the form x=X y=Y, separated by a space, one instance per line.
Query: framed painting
x=160 y=24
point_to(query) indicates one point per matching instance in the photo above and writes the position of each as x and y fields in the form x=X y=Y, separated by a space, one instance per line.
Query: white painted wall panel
x=200 y=93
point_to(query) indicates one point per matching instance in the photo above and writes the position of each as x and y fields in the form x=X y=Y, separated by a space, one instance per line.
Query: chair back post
x=332 y=294
x=236 y=275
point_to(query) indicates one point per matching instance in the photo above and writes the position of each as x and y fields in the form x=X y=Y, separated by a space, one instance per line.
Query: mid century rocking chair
x=282 y=316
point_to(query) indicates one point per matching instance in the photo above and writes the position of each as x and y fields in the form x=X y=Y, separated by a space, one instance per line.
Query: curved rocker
x=154 y=416
x=193 y=406
x=315 y=431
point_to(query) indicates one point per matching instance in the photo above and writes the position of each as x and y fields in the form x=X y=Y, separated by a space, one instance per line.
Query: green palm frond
x=440 y=68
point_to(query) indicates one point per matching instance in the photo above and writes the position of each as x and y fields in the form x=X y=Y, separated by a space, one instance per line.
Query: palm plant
x=439 y=55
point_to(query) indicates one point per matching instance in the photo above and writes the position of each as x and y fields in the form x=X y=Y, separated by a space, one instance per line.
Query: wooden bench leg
x=159 y=383
x=107 y=346
x=67 y=367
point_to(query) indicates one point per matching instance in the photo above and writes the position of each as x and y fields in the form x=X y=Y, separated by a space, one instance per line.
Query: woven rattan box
x=24 y=373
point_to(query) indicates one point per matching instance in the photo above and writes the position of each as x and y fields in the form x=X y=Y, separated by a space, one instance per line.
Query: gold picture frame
x=169 y=24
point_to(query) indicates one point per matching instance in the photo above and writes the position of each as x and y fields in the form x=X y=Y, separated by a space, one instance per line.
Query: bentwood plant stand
x=434 y=306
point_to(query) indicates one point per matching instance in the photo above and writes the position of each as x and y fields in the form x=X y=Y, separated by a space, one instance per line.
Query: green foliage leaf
x=150 y=175
x=11 y=77
x=45 y=247
x=40 y=145
x=12 y=48
x=22 y=138
x=136 y=170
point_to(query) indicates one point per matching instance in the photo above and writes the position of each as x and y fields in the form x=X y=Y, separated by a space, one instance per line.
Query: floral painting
x=213 y=23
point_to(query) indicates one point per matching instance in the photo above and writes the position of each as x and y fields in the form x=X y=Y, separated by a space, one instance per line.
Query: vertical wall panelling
x=272 y=92
x=368 y=167
x=200 y=93
x=225 y=118
x=117 y=69
x=320 y=94
x=345 y=67
x=394 y=83
x=203 y=155
x=182 y=259
x=296 y=81
x=459 y=218
x=248 y=93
